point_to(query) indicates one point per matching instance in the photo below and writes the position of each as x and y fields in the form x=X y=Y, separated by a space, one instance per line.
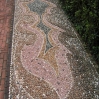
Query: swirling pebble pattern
x=40 y=68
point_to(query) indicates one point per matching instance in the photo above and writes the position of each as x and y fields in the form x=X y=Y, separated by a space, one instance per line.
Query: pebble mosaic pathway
x=48 y=60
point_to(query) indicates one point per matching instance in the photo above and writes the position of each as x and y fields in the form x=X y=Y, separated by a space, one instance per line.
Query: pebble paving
x=48 y=60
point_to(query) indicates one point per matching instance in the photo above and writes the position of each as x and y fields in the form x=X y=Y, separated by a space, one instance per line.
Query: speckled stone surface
x=48 y=60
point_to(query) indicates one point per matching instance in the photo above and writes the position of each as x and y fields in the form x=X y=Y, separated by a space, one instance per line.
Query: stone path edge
x=6 y=30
